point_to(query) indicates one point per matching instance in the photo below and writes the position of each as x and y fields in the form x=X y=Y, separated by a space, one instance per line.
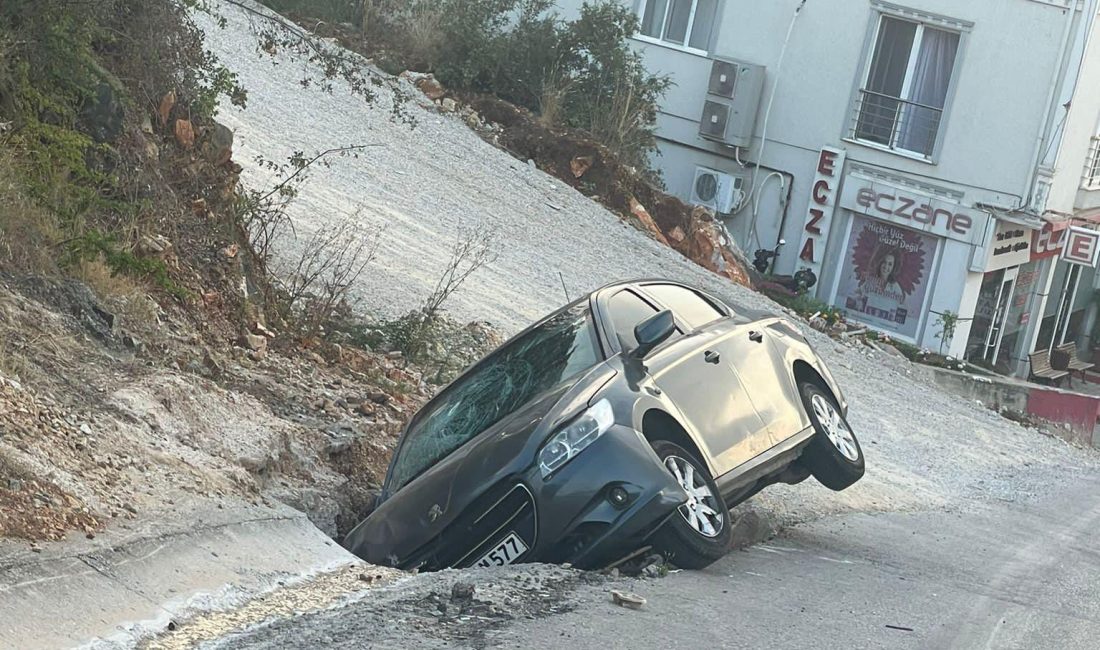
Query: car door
x=692 y=374
x=746 y=432
x=757 y=361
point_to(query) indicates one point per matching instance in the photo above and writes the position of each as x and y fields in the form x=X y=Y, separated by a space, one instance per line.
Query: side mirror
x=652 y=332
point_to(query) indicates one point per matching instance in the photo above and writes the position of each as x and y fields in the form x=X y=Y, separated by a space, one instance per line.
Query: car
x=635 y=416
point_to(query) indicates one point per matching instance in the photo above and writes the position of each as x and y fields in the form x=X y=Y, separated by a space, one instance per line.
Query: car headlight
x=564 y=445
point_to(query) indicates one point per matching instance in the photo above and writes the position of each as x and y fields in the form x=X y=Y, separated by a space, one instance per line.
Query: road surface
x=995 y=575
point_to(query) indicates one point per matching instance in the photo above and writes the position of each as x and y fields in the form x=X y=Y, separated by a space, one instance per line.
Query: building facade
x=920 y=157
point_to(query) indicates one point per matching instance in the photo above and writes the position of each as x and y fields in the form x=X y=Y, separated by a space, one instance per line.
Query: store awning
x=1018 y=217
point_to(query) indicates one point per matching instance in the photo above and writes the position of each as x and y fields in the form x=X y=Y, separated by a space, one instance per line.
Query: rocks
x=448 y=105
x=379 y=397
x=154 y=246
x=253 y=342
x=217 y=148
x=185 y=134
x=104 y=116
x=648 y=226
x=430 y=86
x=15 y=485
x=167 y=103
x=462 y=591
x=580 y=165
x=627 y=599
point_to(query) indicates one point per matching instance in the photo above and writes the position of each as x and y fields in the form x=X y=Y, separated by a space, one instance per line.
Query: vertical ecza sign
x=819 y=216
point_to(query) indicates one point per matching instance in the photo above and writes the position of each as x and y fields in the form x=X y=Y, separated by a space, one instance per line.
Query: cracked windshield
x=467 y=323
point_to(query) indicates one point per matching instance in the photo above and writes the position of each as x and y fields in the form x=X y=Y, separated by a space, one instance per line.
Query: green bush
x=580 y=73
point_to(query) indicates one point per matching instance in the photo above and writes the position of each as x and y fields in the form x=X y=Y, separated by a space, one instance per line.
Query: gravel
x=925 y=448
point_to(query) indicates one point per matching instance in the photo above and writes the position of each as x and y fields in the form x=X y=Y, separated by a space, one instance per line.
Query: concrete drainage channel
x=197 y=575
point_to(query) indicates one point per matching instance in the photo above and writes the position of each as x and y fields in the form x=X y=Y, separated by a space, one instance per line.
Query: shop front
x=1007 y=298
x=905 y=256
x=1069 y=312
x=1035 y=301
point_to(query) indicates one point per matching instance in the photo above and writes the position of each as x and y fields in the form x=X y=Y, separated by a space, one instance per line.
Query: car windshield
x=557 y=350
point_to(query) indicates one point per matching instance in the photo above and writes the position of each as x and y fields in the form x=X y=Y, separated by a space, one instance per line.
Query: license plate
x=506 y=552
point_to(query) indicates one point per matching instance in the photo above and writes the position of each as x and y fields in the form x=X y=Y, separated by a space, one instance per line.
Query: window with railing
x=1091 y=180
x=901 y=102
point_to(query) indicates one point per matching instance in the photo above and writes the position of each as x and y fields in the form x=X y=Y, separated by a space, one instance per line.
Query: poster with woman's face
x=885 y=276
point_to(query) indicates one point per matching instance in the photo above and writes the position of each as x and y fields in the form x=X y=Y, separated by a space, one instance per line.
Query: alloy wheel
x=834 y=427
x=702 y=510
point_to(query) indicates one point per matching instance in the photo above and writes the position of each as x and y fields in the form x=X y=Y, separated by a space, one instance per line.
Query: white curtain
x=928 y=87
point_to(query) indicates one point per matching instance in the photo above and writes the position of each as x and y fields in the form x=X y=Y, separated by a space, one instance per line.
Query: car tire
x=683 y=543
x=833 y=456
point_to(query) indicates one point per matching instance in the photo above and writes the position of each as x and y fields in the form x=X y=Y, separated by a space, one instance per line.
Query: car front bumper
x=572 y=516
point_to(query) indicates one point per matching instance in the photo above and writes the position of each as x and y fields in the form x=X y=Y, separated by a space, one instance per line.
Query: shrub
x=580 y=73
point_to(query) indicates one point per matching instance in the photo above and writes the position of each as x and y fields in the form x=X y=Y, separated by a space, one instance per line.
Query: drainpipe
x=1046 y=128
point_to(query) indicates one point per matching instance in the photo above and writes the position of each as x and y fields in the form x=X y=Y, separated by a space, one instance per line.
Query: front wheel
x=833 y=456
x=699 y=533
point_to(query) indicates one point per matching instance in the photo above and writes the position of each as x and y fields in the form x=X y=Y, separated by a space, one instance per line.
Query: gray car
x=637 y=415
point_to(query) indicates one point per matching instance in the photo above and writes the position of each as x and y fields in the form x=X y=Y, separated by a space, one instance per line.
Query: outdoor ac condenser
x=732 y=101
x=717 y=190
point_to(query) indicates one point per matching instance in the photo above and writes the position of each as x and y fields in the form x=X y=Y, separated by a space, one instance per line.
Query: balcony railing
x=896 y=123
x=1091 y=178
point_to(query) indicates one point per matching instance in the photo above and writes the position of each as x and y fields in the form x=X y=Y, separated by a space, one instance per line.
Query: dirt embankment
x=575 y=158
x=100 y=432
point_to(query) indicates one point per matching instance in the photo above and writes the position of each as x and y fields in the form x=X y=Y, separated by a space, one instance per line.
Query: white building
x=911 y=155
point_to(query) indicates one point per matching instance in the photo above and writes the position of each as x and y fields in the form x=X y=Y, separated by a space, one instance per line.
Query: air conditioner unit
x=732 y=101
x=723 y=78
x=716 y=190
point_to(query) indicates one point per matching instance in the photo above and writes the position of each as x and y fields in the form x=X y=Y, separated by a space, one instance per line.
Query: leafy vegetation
x=579 y=73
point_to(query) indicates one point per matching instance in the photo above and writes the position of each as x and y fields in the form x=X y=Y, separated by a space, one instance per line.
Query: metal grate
x=896 y=123
x=508 y=508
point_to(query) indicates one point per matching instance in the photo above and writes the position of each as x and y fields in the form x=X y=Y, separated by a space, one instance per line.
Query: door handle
x=712 y=357
x=758 y=337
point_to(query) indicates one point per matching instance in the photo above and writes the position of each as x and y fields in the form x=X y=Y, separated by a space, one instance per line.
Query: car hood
x=418 y=512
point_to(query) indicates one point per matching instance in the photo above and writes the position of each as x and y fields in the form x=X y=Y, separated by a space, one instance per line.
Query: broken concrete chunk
x=627 y=599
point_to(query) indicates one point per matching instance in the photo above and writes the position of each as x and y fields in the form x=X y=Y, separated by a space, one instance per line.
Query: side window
x=692 y=308
x=627 y=310
x=687 y=23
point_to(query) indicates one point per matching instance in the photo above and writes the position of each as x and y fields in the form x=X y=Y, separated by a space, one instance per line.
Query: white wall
x=1006 y=63
x=1080 y=127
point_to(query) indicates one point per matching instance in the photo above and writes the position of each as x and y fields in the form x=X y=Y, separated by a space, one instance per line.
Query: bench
x=1041 y=368
x=1073 y=364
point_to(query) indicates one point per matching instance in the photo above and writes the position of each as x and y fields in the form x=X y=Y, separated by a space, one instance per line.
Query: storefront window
x=885 y=277
x=1065 y=309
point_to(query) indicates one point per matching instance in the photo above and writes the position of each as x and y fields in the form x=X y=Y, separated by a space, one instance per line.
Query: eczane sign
x=917 y=211
x=819 y=216
x=1082 y=246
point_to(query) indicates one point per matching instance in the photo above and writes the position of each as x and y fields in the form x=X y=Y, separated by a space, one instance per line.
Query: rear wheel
x=833 y=455
x=699 y=533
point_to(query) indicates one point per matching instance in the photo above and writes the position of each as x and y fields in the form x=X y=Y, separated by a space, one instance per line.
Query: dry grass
x=123 y=296
x=621 y=123
x=28 y=233
x=553 y=98
x=423 y=34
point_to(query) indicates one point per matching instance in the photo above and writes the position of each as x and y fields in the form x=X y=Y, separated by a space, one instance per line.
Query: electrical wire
x=767 y=117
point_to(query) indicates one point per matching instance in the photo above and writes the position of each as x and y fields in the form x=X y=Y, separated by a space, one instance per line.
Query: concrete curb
x=109 y=597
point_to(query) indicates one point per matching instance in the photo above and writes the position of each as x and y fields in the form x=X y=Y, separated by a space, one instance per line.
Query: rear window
x=692 y=308
x=555 y=351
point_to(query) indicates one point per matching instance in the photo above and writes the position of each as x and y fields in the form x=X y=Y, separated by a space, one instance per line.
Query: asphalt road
x=997 y=575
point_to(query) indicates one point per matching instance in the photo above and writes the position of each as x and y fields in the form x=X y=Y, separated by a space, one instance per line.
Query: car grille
x=509 y=508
